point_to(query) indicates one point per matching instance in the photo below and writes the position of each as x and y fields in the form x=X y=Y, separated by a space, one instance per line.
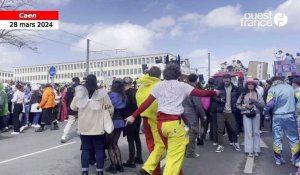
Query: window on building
x=116 y=72
x=135 y=71
x=112 y=63
x=124 y=71
x=140 y=71
x=127 y=62
x=148 y=60
x=152 y=60
x=116 y=63
x=98 y=64
x=143 y=61
x=140 y=61
x=127 y=71
x=120 y=72
x=75 y=66
x=105 y=64
x=108 y=73
x=120 y=62
x=135 y=61
x=131 y=61
x=123 y=62
x=131 y=71
x=112 y=73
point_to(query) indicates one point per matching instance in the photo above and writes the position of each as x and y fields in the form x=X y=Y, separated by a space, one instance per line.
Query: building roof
x=91 y=60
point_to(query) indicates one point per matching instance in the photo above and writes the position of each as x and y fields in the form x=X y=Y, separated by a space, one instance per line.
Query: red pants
x=150 y=143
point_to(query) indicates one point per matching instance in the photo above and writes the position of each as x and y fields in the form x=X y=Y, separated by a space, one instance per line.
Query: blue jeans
x=89 y=145
x=286 y=124
x=36 y=118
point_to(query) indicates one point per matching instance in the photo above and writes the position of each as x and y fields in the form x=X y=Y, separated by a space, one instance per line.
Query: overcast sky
x=191 y=28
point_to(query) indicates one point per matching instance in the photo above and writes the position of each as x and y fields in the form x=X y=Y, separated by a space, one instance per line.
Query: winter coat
x=234 y=97
x=48 y=99
x=90 y=118
x=147 y=84
x=4 y=109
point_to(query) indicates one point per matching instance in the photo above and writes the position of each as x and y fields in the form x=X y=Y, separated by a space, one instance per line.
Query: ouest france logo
x=267 y=19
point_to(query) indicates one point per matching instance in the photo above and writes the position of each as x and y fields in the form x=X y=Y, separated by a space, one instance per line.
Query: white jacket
x=90 y=118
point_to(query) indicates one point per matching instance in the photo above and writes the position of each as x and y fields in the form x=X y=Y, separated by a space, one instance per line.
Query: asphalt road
x=33 y=153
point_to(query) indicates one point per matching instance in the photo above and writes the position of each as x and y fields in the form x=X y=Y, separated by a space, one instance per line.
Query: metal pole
x=52 y=81
x=208 y=65
x=88 y=58
x=48 y=75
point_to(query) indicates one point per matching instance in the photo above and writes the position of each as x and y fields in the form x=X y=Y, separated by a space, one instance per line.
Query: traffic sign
x=52 y=71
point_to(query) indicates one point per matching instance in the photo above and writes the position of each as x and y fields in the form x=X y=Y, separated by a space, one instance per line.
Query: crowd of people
x=280 y=56
x=176 y=116
x=234 y=66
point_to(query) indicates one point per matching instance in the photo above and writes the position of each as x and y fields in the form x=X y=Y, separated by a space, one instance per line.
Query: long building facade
x=6 y=76
x=104 y=69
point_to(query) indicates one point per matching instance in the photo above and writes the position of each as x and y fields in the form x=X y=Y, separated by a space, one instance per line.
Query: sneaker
x=231 y=143
x=215 y=144
x=63 y=140
x=144 y=172
x=111 y=169
x=37 y=126
x=219 y=149
x=280 y=161
x=237 y=146
x=256 y=154
x=139 y=161
x=250 y=155
x=15 y=133
x=192 y=155
x=41 y=129
x=55 y=126
x=5 y=129
x=22 y=128
x=129 y=164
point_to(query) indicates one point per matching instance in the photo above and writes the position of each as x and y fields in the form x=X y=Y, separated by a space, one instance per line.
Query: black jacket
x=235 y=93
x=36 y=97
x=131 y=106
x=69 y=97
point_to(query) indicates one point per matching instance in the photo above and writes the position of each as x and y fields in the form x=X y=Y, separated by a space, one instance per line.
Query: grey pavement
x=33 y=153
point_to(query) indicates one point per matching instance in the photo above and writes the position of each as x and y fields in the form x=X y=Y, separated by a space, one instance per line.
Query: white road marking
x=38 y=152
x=249 y=165
x=163 y=163
x=262 y=144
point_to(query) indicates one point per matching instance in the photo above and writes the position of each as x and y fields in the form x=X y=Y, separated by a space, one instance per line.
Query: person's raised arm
x=141 y=109
x=204 y=93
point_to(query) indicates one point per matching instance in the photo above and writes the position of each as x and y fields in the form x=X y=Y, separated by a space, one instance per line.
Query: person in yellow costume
x=170 y=94
x=154 y=143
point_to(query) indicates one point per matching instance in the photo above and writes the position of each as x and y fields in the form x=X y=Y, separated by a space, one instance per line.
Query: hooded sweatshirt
x=147 y=84
x=4 y=110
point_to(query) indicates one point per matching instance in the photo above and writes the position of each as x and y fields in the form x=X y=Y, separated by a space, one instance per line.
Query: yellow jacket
x=48 y=99
x=147 y=84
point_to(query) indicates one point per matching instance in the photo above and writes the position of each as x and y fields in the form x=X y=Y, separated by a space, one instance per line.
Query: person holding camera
x=226 y=110
x=250 y=103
